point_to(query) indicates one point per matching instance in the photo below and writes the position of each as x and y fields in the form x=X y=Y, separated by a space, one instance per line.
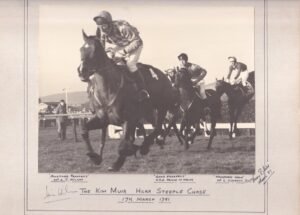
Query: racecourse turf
x=226 y=156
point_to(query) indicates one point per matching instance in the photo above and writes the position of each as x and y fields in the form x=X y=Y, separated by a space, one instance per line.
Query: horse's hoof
x=207 y=133
x=144 y=150
x=233 y=135
x=118 y=164
x=95 y=158
x=160 y=142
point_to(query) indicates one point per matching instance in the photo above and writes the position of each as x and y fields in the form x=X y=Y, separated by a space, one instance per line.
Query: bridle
x=103 y=70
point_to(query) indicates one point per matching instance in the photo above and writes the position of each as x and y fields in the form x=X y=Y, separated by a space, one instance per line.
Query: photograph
x=146 y=88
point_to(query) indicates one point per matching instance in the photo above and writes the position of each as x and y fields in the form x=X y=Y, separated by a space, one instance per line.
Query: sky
x=207 y=34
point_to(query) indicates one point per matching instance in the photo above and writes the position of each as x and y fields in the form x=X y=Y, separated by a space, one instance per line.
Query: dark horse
x=171 y=74
x=237 y=99
x=116 y=97
x=193 y=108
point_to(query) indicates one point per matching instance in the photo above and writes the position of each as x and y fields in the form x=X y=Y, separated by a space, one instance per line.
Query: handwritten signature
x=263 y=175
x=58 y=193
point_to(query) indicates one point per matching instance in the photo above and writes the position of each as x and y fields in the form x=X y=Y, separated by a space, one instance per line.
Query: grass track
x=226 y=157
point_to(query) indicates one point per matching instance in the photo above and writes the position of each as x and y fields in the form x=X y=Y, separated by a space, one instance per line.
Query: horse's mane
x=111 y=76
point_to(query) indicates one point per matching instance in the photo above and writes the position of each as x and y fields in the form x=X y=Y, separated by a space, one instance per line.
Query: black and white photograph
x=167 y=88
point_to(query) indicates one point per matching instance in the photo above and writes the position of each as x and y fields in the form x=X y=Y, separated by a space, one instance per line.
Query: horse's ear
x=98 y=33
x=223 y=78
x=84 y=35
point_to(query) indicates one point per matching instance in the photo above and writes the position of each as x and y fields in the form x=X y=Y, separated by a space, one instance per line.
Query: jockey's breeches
x=241 y=79
x=132 y=58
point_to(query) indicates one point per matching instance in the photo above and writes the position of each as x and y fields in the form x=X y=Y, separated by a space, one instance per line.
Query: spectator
x=61 y=121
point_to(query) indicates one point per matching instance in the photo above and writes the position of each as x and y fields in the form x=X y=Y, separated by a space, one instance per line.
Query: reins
x=111 y=102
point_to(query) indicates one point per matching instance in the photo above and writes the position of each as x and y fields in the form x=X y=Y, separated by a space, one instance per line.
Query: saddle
x=244 y=90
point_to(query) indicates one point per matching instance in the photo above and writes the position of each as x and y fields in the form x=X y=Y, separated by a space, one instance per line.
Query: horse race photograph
x=130 y=89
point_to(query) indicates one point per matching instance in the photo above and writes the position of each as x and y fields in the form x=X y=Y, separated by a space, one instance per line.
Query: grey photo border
x=25 y=149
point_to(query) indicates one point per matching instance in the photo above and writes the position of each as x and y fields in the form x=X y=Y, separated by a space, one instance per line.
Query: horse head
x=93 y=57
x=170 y=73
x=222 y=86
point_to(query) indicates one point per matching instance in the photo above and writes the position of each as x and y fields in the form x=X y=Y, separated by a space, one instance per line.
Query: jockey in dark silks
x=238 y=74
x=122 y=40
x=197 y=75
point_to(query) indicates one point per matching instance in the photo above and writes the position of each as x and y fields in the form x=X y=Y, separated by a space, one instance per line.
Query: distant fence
x=115 y=132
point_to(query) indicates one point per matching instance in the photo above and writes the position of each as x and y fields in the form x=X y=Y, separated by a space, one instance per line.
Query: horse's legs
x=141 y=128
x=197 y=131
x=238 y=113
x=212 y=130
x=231 y=115
x=92 y=124
x=126 y=147
x=205 y=128
x=103 y=139
x=182 y=125
x=185 y=128
x=177 y=133
x=187 y=134
x=172 y=124
x=149 y=140
x=198 y=128
x=160 y=140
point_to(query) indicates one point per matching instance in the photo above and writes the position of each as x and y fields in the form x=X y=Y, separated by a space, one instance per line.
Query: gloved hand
x=120 y=54
x=110 y=52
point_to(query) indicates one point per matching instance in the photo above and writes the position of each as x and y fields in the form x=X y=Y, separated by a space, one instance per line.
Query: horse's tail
x=251 y=79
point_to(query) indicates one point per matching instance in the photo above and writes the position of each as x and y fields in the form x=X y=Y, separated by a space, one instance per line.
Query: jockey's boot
x=141 y=87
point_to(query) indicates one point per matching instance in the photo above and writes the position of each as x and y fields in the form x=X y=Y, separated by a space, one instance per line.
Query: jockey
x=124 y=43
x=197 y=74
x=238 y=72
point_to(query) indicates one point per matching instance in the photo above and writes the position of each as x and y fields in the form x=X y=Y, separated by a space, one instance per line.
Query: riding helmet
x=233 y=58
x=105 y=17
x=183 y=56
